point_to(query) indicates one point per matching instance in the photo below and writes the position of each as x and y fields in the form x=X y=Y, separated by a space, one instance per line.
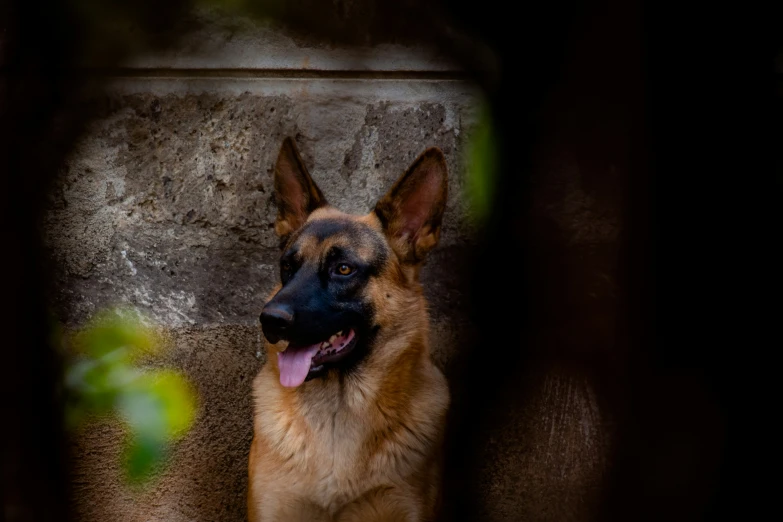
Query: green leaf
x=157 y=406
x=482 y=165
x=143 y=412
x=142 y=457
x=177 y=399
x=114 y=329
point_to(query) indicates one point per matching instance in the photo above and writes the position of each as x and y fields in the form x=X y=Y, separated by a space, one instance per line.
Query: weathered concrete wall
x=166 y=205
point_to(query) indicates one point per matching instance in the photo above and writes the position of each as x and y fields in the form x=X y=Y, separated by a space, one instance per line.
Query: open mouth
x=297 y=362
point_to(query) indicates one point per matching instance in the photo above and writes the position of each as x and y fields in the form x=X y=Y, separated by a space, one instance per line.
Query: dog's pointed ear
x=296 y=194
x=412 y=211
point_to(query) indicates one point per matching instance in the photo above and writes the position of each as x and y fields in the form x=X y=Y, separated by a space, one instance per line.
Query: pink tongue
x=294 y=364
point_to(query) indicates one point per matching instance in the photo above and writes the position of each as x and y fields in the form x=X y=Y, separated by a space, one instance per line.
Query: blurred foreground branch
x=104 y=378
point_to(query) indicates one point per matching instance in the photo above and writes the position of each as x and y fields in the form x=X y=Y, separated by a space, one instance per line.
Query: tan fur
x=363 y=446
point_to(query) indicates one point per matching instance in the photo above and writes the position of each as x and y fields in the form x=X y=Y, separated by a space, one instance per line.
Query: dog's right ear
x=296 y=194
x=412 y=211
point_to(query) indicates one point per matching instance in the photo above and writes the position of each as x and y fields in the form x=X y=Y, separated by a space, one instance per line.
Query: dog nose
x=276 y=321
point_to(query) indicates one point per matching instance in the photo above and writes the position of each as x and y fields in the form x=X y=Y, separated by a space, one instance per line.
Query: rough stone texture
x=166 y=205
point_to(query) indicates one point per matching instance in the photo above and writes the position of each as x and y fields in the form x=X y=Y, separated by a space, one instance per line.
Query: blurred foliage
x=482 y=165
x=104 y=377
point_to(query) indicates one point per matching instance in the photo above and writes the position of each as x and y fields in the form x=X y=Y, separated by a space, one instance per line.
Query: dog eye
x=286 y=269
x=344 y=269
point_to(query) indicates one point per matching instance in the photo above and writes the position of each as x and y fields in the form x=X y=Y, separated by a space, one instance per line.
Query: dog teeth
x=332 y=338
x=325 y=345
x=338 y=334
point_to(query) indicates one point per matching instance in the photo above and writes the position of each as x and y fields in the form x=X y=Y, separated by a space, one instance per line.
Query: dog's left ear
x=296 y=194
x=412 y=211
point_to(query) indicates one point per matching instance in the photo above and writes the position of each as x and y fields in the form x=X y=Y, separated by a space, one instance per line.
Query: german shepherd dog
x=350 y=410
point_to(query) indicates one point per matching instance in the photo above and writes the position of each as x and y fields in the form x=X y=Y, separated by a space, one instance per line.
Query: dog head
x=348 y=281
